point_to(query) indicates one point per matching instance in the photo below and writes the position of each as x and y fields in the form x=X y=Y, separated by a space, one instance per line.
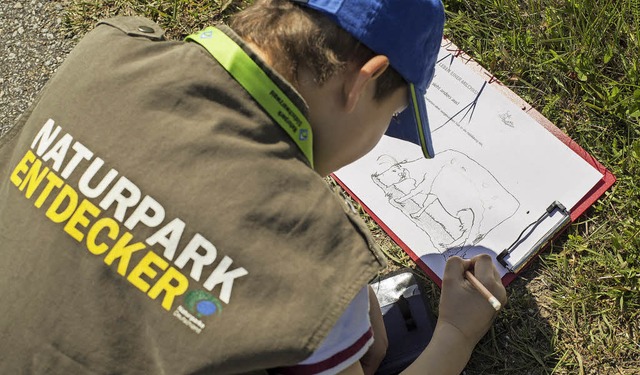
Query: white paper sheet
x=495 y=172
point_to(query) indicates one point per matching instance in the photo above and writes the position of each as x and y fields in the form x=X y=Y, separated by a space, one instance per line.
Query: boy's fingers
x=486 y=272
x=455 y=267
x=483 y=267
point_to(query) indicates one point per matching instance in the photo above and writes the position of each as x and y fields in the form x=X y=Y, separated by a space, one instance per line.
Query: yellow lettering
x=92 y=236
x=153 y=274
x=53 y=181
x=123 y=250
x=171 y=291
x=66 y=194
x=29 y=157
x=144 y=268
x=79 y=218
x=33 y=179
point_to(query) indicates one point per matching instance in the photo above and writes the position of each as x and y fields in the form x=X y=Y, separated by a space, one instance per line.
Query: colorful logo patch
x=303 y=134
x=202 y=303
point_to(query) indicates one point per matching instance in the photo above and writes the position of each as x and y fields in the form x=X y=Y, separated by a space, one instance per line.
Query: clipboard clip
x=523 y=261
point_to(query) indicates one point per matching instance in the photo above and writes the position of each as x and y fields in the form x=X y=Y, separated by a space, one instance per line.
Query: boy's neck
x=261 y=53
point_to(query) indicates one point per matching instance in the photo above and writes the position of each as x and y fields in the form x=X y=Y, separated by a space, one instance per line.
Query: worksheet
x=500 y=181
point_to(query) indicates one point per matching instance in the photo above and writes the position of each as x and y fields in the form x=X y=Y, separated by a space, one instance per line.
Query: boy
x=163 y=207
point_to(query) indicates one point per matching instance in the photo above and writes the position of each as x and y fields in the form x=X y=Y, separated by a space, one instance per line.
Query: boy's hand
x=464 y=317
x=461 y=306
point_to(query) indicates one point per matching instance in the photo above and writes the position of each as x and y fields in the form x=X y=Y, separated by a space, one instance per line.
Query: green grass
x=576 y=310
x=576 y=62
x=179 y=18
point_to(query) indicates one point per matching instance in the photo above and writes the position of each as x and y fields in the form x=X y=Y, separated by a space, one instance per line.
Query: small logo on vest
x=197 y=304
x=202 y=303
x=303 y=134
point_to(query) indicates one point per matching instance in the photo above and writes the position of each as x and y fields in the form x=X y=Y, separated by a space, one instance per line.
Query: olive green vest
x=157 y=220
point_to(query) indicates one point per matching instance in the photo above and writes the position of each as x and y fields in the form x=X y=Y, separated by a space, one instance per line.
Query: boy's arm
x=464 y=317
x=447 y=353
x=374 y=356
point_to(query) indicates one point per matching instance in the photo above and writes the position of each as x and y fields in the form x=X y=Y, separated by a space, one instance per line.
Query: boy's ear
x=354 y=86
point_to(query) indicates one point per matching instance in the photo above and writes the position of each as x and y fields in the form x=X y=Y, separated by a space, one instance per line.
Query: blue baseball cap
x=409 y=33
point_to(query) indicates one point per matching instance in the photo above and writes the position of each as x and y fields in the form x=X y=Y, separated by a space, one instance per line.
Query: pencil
x=483 y=290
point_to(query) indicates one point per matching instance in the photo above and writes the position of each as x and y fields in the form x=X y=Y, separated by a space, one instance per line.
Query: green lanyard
x=249 y=75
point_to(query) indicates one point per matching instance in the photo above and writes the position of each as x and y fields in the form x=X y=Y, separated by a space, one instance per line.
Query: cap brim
x=412 y=124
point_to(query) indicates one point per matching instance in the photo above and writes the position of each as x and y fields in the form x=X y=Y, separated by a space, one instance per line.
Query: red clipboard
x=576 y=211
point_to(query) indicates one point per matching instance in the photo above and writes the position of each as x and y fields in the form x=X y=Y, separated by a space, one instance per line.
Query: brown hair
x=301 y=37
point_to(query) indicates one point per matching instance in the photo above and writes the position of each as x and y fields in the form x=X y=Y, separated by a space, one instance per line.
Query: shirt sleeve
x=346 y=343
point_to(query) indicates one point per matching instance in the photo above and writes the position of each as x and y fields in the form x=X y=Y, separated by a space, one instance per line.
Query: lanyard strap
x=249 y=75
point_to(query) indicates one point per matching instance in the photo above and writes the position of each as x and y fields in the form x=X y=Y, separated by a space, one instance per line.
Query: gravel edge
x=33 y=45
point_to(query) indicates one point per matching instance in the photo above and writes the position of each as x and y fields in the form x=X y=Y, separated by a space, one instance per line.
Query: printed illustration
x=451 y=198
x=467 y=111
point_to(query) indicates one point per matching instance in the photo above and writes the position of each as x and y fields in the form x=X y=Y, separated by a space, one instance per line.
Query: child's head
x=301 y=39
x=407 y=32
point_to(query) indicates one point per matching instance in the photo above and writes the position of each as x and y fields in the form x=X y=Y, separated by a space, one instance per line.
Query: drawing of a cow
x=451 y=197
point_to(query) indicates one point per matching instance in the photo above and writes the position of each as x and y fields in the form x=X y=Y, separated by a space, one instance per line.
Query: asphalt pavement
x=32 y=46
